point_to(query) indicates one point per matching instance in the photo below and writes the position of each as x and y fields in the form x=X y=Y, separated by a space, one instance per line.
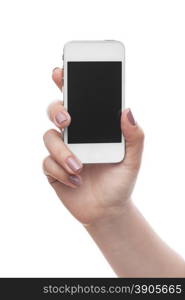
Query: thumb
x=134 y=140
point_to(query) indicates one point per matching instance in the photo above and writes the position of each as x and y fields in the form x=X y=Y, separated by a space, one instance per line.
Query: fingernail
x=74 y=179
x=60 y=117
x=131 y=118
x=73 y=164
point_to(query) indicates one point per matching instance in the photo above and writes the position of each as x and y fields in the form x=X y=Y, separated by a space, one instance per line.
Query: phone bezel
x=95 y=51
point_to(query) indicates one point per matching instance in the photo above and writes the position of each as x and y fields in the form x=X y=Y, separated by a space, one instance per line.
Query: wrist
x=112 y=234
x=111 y=216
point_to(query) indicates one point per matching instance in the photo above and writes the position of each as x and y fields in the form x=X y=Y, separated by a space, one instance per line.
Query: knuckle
x=45 y=164
x=47 y=133
x=140 y=136
x=53 y=107
x=50 y=109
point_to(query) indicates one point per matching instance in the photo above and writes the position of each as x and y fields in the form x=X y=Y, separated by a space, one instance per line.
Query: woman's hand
x=91 y=191
x=98 y=195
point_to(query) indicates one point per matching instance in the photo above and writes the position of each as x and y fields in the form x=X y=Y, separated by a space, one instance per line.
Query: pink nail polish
x=60 y=117
x=74 y=164
x=131 y=118
x=74 y=180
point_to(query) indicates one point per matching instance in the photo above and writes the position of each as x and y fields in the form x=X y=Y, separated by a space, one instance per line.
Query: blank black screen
x=94 y=101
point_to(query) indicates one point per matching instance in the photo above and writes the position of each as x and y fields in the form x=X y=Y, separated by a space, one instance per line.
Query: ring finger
x=55 y=172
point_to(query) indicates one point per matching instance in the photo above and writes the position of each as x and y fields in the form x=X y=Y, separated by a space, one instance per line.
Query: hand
x=91 y=191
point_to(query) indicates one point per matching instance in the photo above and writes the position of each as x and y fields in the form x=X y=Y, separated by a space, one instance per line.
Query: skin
x=102 y=201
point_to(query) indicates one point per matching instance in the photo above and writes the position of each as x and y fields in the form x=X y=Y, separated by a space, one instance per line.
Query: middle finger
x=61 y=153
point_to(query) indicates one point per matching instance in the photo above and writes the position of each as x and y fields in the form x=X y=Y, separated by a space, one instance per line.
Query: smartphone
x=94 y=97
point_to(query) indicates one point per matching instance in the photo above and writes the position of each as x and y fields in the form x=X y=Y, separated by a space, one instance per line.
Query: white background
x=38 y=237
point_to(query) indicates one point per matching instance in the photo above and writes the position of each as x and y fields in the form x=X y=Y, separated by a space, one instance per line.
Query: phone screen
x=94 y=101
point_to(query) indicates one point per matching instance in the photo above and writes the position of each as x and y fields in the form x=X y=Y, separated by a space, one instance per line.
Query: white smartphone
x=94 y=97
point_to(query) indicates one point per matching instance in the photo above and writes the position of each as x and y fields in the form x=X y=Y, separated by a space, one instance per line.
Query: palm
x=103 y=187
